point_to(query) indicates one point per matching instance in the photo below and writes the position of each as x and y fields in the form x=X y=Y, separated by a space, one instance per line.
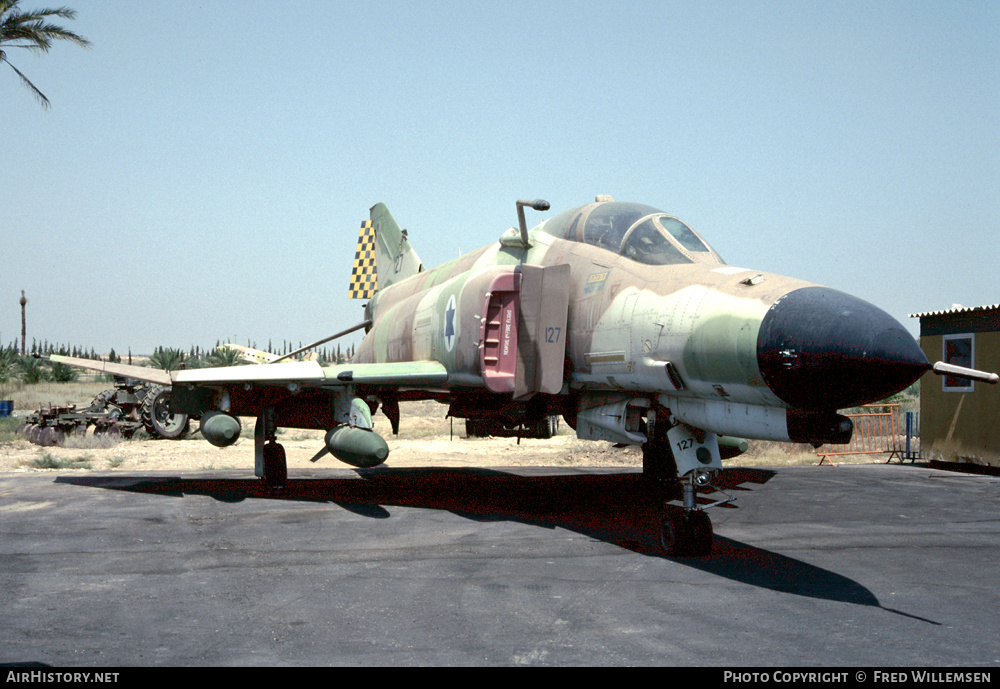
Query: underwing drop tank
x=220 y=429
x=359 y=447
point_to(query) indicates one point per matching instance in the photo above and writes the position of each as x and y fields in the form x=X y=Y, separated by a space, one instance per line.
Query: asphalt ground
x=860 y=565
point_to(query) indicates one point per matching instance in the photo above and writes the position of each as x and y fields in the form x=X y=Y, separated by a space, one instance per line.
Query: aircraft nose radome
x=821 y=349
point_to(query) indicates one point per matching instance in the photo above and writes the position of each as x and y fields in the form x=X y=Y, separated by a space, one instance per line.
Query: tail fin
x=384 y=255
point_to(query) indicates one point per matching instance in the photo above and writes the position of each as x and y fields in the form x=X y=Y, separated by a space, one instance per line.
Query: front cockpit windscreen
x=681 y=232
x=647 y=244
x=607 y=224
x=638 y=232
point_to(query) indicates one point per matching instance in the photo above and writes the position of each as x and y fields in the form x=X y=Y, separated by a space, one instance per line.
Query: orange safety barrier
x=874 y=433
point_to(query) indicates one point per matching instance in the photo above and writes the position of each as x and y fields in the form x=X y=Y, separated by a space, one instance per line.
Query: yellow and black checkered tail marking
x=364 y=275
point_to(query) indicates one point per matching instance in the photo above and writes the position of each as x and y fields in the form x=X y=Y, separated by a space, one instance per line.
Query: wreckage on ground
x=117 y=412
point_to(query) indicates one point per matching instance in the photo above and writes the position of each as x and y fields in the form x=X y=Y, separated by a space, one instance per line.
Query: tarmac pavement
x=850 y=566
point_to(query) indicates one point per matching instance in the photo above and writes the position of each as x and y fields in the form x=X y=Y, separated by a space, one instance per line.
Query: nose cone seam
x=820 y=349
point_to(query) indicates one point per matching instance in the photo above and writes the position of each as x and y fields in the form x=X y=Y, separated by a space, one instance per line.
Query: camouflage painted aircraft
x=616 y=316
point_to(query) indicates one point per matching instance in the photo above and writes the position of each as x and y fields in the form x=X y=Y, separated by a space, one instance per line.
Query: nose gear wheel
x=686 y=533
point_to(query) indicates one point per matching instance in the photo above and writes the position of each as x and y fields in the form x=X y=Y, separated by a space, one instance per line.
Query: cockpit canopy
x=641 y=233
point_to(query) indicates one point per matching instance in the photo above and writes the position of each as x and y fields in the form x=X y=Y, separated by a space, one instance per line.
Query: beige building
x=960 y=419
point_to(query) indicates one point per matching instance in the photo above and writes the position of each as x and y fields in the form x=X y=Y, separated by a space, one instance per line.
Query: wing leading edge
x=306 y=374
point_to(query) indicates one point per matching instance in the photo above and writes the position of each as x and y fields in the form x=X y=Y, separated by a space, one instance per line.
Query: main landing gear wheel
x=275 y=466
x=686 y=533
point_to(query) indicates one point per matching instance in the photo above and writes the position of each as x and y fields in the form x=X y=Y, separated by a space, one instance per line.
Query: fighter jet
x=617 y=316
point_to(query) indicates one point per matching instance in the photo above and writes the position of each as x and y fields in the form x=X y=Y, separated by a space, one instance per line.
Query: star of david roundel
x=449 y=324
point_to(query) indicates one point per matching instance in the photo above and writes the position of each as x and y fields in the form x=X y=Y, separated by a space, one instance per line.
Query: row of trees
x=172 y=359
x=17 y=369
x=46 y=348
x=325 y=354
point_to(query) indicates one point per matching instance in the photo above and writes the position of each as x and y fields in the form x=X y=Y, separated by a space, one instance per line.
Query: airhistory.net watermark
x=44 y=676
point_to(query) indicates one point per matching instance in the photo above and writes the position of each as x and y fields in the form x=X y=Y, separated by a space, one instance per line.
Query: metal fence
x=875 y=432
x=911 y=436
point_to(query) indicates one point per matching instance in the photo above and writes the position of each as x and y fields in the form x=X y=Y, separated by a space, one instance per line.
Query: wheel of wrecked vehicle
x=29 y=432
x=108 y=429
x=101 y=401
x=49 y=437
x=158 y=419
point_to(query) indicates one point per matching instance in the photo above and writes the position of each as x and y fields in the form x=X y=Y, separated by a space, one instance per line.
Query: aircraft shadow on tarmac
x=614 y=508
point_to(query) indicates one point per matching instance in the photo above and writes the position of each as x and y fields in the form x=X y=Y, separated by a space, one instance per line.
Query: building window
x=958 y=350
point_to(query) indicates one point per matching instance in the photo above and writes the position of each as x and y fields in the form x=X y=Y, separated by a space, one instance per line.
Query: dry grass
x=772 y=453
x=81 y=393
x=427 y=437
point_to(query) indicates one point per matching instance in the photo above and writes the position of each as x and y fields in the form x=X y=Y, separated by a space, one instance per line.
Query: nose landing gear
x=676 y=461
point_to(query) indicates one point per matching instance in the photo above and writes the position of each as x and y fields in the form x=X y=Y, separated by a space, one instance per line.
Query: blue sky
x=204 y=168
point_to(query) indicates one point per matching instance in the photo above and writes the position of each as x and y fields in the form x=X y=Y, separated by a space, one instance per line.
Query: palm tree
x=225 y=356
x=29 y=30
x=167 y=359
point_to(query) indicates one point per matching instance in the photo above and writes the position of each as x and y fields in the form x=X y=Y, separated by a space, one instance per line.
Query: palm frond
x=32 y=31
x=35 y=33
x=31 y=87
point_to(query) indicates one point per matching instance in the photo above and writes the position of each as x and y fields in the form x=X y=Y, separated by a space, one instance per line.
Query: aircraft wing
x=150 y=375
x=300 y=394
x=303 y=374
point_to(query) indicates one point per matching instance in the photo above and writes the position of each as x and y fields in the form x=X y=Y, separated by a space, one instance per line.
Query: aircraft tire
x=538 y=429
x=686 y=535
x=275 y=466
x=547 y=427
x=672 y=534
x=700 y=533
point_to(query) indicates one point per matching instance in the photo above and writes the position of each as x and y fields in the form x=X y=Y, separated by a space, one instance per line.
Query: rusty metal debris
x=117 y=412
